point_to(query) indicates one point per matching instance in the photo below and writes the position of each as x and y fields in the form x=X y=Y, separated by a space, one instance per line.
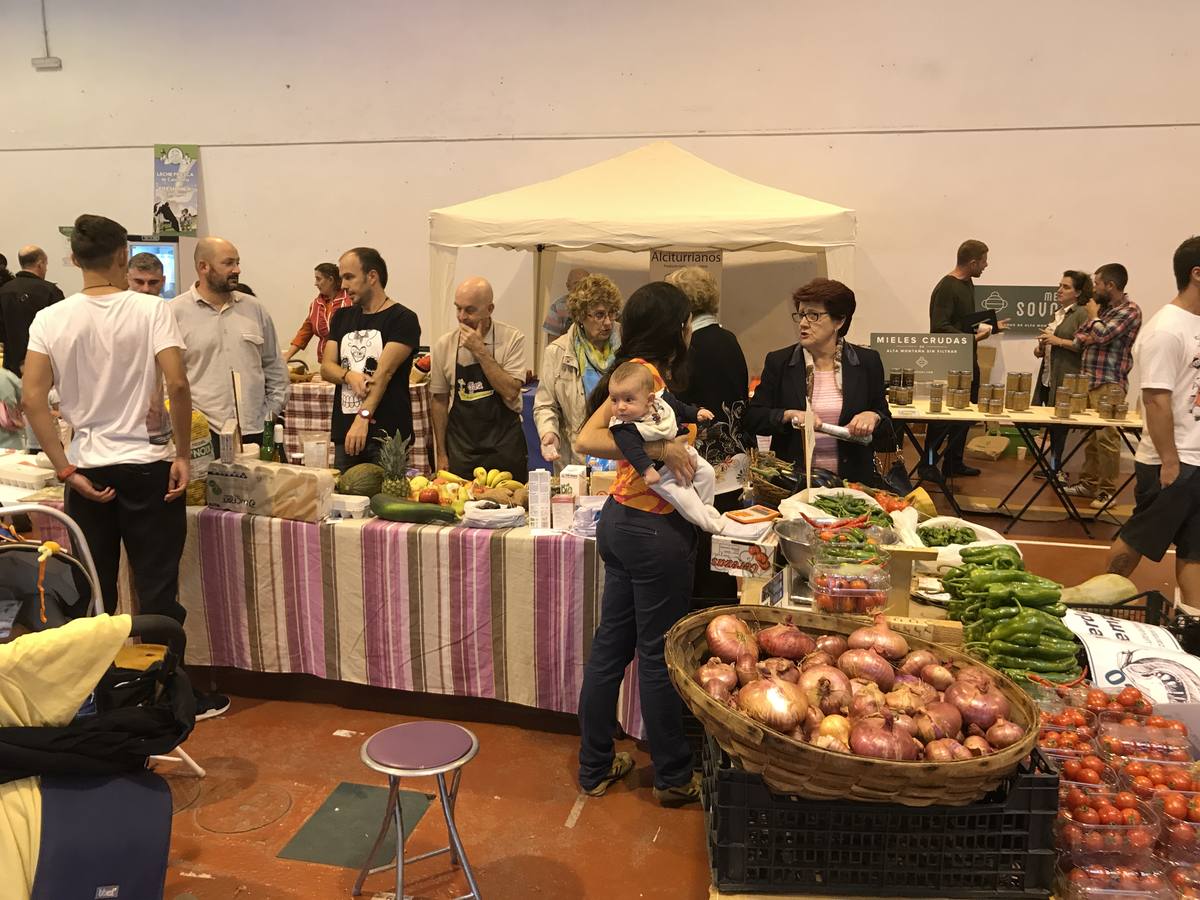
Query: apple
x=430 y=495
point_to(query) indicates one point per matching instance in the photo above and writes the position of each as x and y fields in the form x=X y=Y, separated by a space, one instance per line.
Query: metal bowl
x=794 y=536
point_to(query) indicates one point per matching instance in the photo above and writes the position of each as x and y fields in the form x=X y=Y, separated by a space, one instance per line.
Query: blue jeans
x=648 y=568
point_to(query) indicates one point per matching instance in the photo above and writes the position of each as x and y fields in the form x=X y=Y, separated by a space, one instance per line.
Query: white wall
x=1065 y=135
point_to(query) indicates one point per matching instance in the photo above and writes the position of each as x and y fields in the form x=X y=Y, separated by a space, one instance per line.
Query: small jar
x=1120 y=411
x=1012 y=382
x=996 y=407
x=937 y=389
x=1105 y=409
x=935 y=403
x=1078 y=403
x=1062 y=409
x=907 y=377
x=1027 y=382
x=895 y=379
x=1068 y=384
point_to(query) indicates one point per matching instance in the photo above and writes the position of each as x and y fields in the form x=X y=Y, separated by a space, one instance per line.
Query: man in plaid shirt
x=1106 y=340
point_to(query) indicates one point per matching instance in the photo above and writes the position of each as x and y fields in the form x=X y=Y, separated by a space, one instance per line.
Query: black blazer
x=783 y=387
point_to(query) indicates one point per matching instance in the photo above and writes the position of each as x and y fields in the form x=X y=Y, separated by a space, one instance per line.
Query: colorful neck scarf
x=837 y=371
x=593 y=362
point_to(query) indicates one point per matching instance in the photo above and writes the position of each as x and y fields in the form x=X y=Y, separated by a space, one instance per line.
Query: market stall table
x=505 y=615
x=1026 y=422
x=309 y=410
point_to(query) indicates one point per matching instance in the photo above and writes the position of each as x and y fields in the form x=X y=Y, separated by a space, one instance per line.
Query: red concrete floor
x=272 y=762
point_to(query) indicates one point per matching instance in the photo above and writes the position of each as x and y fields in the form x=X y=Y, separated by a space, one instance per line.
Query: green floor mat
x=341 y=832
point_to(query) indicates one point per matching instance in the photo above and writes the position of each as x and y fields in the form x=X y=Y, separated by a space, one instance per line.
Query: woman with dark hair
x=330 y=298
x=5 y=275
x=824 y=376
x=648 y=550
x=1059 y=353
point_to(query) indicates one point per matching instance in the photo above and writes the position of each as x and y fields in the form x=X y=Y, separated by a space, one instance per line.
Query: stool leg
x=453 y=800
x=455 y=840
x=393 y=799
x=399 y=840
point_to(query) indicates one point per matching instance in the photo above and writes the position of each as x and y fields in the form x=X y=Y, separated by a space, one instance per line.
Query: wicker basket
x=790 y=767
x=766 y=492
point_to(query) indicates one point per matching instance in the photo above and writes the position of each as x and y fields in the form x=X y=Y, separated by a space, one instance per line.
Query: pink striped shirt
x=827 y=404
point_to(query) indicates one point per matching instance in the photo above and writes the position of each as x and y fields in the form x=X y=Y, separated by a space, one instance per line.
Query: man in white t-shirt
x=475 y=379
x=1167 y=494
x=108 y=350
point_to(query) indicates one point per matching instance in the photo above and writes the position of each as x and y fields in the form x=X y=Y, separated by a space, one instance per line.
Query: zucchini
x=395 y=510
x=1103 y=590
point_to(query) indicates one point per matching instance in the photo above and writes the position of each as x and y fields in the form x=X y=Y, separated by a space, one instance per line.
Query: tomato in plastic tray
x=1108 y=828
x=849 y=588
x=1153 y=720
x=1126 y=699
x=1146 y=880
x=1146 y=777
x=1066 y=741
x=1070 y=718
x=1185 y=879
x=1088 y=772
x=1144 y=742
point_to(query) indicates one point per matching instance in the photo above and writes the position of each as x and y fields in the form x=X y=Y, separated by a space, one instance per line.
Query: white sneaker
x=1078 y=489
x=1101 y=500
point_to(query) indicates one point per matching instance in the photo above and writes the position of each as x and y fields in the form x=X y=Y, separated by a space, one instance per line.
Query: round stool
x=413 y=750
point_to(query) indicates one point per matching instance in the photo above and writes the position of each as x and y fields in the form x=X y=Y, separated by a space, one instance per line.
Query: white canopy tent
x=654 y=197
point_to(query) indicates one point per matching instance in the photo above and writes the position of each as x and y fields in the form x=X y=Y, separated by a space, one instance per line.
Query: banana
x=450 y=477
x=493 y=476
x=480 y=472
x=418 y=482
x=510 y=485
x=503 y=476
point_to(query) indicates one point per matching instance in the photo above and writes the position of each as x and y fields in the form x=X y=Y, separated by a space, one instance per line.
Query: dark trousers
x=369 y=454
x=648 y=561
x=1056 y=433
x=152 y=529
x=953 y=437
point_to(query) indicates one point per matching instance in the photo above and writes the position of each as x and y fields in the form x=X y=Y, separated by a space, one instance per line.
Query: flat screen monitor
x=167 y=251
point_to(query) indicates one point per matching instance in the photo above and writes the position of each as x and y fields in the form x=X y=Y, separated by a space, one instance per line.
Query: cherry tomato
x=1091 y=776
x=1076 y=797
x=1130 y=816
x=1086 y=815
x=1125 y=800
x=1110 y=815
x=1070 y=769
x=1181 y=834
x=1174 y=805
x=1093 y=841
x=1129 y=696
x=1141 y=839
x=1179 y=781
x=1135 y=768
x=1178 y=755
x=1127 y=879
x=1143 y=786
x=1091 y=761
x=1176 y=725
x=1096 y=699
x=1192 y=814
x=1072 y=835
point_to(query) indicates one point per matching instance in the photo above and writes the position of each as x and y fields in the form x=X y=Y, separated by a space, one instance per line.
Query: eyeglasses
x=604 y=315
x=811 y=316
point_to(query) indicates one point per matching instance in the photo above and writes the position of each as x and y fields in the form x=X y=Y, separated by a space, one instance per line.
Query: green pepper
x=1062 y=677
x=1022 y=639
x=1033 y=665
x=1051 y=624
x=999 y=595
x=988 y=552
x=1057 y=610
x=981 y=578
x=1035 y=594
x=1022 y=623
x=972 y=612
x=976 y=632
x=1043 y=649
x=999 y=613
x=954 y=610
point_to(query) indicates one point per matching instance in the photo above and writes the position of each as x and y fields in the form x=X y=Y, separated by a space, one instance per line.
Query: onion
x=902 y=700
x=827 y=742
x=779 y=668
x=817 y=658
x=863 y=663
x=938 y=720
x=916 y=661
x=797 y=734
x=882 y=739
x=974 y=675
x=764 y=701
x=786 y=640
x=833 y=644
x=937 y=675
x=717 y=690
x=980 y=706
x=926 y=693
x=747 y=668
x=977 y=746
x=727 y=636
x=714 y=669
x=826 y=687
x=865 y=705
x=1004 y=733
x=836 y=727
x=908 y=723
x=881 y=638
x=946 y=749
x=812 y=720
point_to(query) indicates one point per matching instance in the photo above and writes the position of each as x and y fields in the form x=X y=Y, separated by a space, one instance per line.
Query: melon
x=364 y=480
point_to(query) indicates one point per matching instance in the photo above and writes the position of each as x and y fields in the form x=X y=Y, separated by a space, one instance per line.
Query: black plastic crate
x=759 y=841
x=1150 y=607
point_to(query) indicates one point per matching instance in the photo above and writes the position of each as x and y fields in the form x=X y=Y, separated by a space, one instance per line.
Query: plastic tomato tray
x=999 y=847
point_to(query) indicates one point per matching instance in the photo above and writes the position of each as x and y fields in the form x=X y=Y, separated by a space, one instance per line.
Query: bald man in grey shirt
x=227 y=331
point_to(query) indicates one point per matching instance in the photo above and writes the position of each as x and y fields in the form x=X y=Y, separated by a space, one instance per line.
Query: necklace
x=89 y=287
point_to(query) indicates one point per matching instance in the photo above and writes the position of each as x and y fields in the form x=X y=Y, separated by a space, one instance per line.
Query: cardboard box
x=562 y=512
x=271 y=489
x=231 y=441
x=737 y=556
x=601 y=483
x=990 y=447
x=573 y=480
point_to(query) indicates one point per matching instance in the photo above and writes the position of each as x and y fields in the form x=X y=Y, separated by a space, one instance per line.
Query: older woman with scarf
x=573 y=365
x=824 y=376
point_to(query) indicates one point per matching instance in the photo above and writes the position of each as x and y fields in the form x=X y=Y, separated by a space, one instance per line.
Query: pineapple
x=393 y=458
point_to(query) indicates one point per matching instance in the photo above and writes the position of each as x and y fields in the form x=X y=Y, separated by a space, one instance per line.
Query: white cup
x=1021 y=451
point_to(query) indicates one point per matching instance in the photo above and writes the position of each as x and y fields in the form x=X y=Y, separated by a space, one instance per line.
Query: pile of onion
x=864 y=694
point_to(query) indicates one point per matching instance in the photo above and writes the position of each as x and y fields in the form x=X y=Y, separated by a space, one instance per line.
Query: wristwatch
x=366 y=414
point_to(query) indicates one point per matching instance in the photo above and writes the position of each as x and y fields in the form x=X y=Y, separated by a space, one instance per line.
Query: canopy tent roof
x=652 y=197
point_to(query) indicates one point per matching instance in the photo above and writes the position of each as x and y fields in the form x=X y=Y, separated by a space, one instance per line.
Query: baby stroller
x=92 y=769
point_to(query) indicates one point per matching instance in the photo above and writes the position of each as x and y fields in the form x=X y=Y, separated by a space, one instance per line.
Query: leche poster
x=176 y=189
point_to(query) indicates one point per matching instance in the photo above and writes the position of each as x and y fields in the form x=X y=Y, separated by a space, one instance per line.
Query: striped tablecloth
x=310 y=409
